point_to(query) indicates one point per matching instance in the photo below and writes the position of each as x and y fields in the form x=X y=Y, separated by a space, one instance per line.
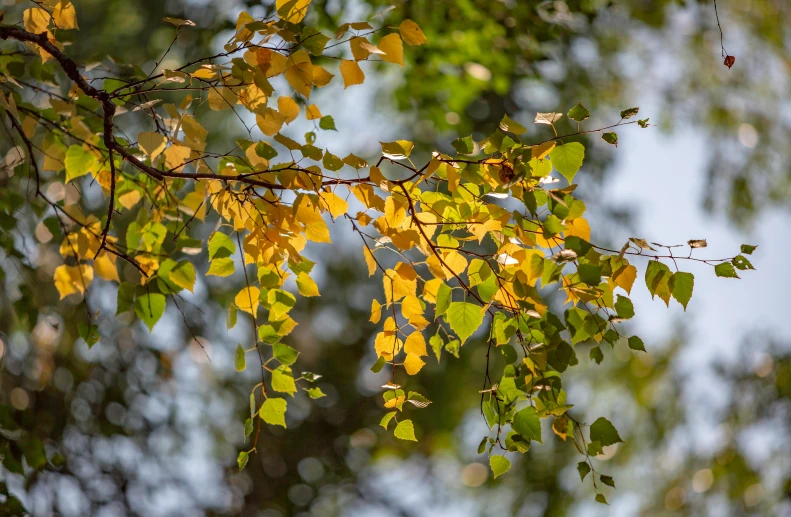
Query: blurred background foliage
x=147 y=425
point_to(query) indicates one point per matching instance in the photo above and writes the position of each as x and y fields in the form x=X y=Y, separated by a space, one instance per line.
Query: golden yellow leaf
x=321 y=77
x=351 y=72
x=411 y=305
x=455 y=262
x=369 y=260
x=204 y=73
x=413 y=364
x=292 y=10
x=376 y=311
x=176 y=155
x=129 y=199
x=247 y=299
x=312 y=112
x=72 y=279
x=65 y=15
x=269 y=121
x=393 y=49
x=625 y=277
x=335 y=204
x=288 y=107
x=36 y=20
x=415 y=344
x=358 y=51
x=105 y=266
x=222 y=98
x=540 y=151
x=431 y=288
x=300 y=77
x=411 y=33
x=387 y=344
x=151 y=143
x=578 y=228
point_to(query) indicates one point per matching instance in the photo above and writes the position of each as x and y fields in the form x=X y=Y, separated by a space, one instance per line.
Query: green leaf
x=567 y=159
x=126 y=297
x=657 y=275
x=584 y=469
x=610 y=138
x=316 y=393
x=635 y=343
x=220 y=246
x=681 y=285
x=511 y=126
x=741 y=262
x=629 y=113
x=604 y=432
x=331 y=162
x=579 y=113
x=601 y=499
x=386 y=419
x=499 y=465
x=313 y=41
x=405 y=431
x=607 y=480
x=183 y=275
x=242 y=459
x=643 y=123
x=464 y=319
x=624 y=307
x=748 y=249
x=284 y=354
x=328 y=123
x=444 y=294
x=265 y=151
x=527 y=423
x=482 y=445
x=725 y=270
x=89 y=333
x=597 y=355
x=378 y=365
x=221 y=267
x=283 y=380
x=238 y=359
x=590 y=274
x=79 y=162
x=463 y=145
x=273 y=411
x=595 y=448
x=149 y=308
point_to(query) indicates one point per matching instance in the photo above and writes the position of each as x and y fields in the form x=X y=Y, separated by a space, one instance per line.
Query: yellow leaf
x=65 y=16
x=72 y=279
x=175 y=157
x=578 y=228
x=406 y=271
x=625 y=277
x=415 y=344
x=351 y=72
x=269 y=121
x=247 y=299
x=312 y=112
x=222 y=98
x=540 y=151
x=36 y=20
x=204 y=73
x=455 y=262
x=395 y=214
x=410 y=306
x=292 y=10
x=387 y=344
x=105 y=267
x=151 y=143
x=411 y=33
x=369 y=260
x=194 y=132
x=129 y=199
x=307 y=286
x=393 y=49
x=321 y=77
x=376 y=311
x=300 y=77
x=288 y=107
x=431 y=288
x=413 y=364
x=335 y=204
x=359 y=52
